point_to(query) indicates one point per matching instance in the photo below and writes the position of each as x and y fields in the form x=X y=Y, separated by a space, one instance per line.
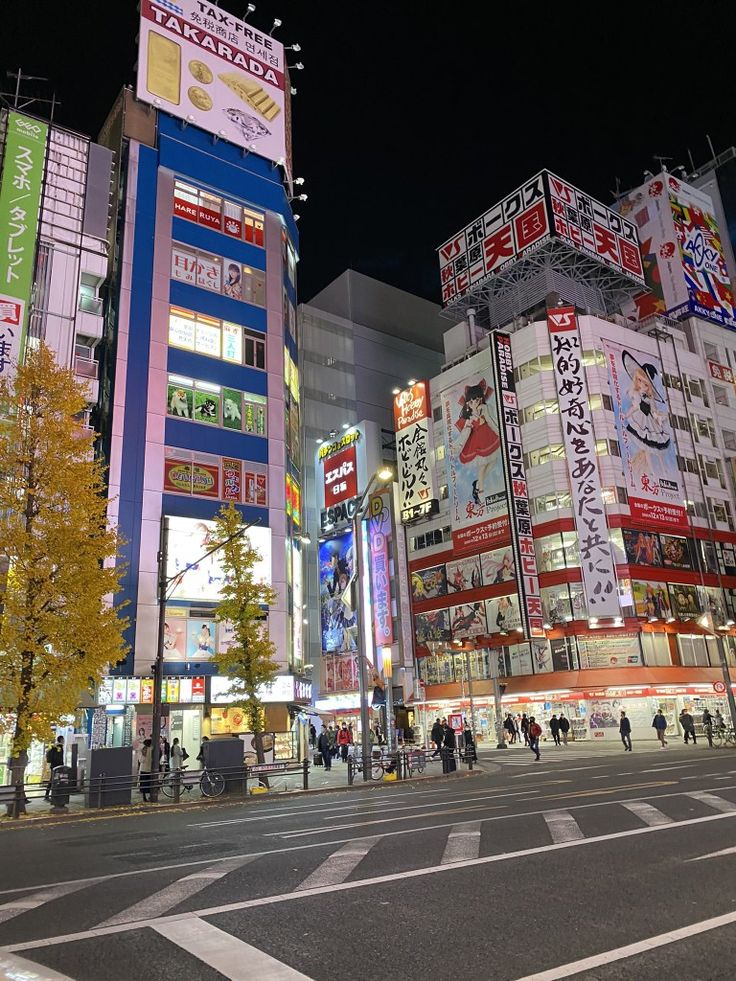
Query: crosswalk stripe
x=166 y=899
x=339 y=865
x=20 y=968
x=647 y=812
x=463 y=842
x=35 y=899
x=562 y=826
x=712 y=800
x=232 y=958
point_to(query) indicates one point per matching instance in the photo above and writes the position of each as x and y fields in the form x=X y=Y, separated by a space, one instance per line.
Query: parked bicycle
x=416 y=760
x=377 y=768
x=724 y=737
x=210 y=782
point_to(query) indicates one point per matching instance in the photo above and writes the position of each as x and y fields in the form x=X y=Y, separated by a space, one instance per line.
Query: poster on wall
x=338 y=618
x=609 y=650
x=651 y=599
x=648 y=452
x=428 y=583
x=677 y=553
x=597 y=561
x=379 y=531
x=199 y=578
x=520 y=660
x=414 y=452
x=340 y=673
x=498 y=566
x=642 y=547
x=541 y=651
x=175 y=638
x=200 y=639
x=713 y=603
x=468 y=620
x=464 y=574
x=503 y=614
x=685 y=601
x=478 y=510
x=433 y=626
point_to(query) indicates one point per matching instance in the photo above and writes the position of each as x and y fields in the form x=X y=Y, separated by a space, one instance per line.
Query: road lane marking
x=338 y=866
x=631 y=950
x=568 y=769
x=232 y=958
x=306 y=832
x=562 y=826
x=649 y=815
x=357 y=884
x=21 y=969
x=718 y=803
x=723 y=851
x=441 y=803
x=45 y=895
x=177 y=892
x=463 y=842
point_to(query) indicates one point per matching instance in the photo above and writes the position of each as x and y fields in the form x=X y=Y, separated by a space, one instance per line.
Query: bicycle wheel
x=377 y=770
x=167 y=785
x=212 y=784
x=419 y=764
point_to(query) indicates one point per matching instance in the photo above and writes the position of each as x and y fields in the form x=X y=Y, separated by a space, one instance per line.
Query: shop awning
x=606 y=678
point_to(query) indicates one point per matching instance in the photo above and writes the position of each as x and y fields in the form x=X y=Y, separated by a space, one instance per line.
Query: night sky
x=413 y=117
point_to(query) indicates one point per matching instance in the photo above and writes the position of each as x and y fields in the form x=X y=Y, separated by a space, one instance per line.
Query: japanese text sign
x=379 y=530
x=414 y=445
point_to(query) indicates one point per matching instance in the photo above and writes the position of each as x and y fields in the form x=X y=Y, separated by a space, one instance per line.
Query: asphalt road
x=591 y=864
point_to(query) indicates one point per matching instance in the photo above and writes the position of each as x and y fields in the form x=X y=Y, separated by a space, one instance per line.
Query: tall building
x=583 y=549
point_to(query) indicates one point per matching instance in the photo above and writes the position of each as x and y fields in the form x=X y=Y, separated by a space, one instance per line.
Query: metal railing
x=408 y=764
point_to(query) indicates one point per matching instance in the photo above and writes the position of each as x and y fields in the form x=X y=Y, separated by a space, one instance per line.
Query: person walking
x=624 y=727
x=200 y=754
x=564 y=728
x=524 y=726
x=54 y=758
x=324 y=745
x=343 y=741
x=438 y=735
x=469 y=743
x=688 y=726
x=554 y=727
x=449 y=744
x=146 y=768
x=332 y=736
x=517 y=720
x=535 y=731
x=312 y=736
x=660 y=724
x=508 y=724
x=708 y=726
x=176 y=755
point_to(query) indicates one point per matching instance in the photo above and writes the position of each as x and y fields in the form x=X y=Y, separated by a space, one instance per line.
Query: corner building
x=632 y=572
x=206 y=406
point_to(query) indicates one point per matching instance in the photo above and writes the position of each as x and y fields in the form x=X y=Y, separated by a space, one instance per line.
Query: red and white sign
x=414 y=446
x=231 y=480
x=719 y=687
x=455 y=721
x=341 y=476
x=720 y=372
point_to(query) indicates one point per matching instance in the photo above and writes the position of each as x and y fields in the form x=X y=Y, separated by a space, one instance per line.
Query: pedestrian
x=438 y=735
x=524 y=725
x=508 y=724
x=332 y=736
x=688 y=726
x=554 y=726
x=449 y=744
x=720 y=725
x=176 y=755
x=660 y=724
x=54 y=758
x=517 y=728
x=324 y=745
x=535 y=731
x=146 y=767
x=708 y=726
x=469 y=743
x=624 y=727
x=163 y=754
x=312 y=735
x=200 y=754
x=343 y=741
x=564 y=728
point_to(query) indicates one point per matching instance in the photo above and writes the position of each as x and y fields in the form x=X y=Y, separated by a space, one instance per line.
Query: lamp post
x=381 y=477
x=500 y=741
x=386 y=655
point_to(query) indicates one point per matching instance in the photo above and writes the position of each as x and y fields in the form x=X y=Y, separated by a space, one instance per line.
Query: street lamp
x=380 y=478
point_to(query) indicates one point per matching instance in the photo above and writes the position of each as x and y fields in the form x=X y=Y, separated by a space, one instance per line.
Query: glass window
x=720 y=394
x=253 y=227
x=182 y=327
x=254 y=286
x=254 y=417
x=255 y=350
x=232 y=343
x=208 y=336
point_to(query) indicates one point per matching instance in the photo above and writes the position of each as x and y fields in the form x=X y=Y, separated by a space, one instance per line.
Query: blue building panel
x=202 y=438
x=181 y=506
x=202 y=368
x=217 y=305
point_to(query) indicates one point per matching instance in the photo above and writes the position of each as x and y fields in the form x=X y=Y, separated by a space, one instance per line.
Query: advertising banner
x=498 y=566
x=429 y=583
x=503 y=614
x=379 y=532
x=205 y=480
x=609 y=651
x=414 y=449
x=651 y=599
x=642 y=547
x=178 y=475
x=337 y=616
x=464 y=574
x=20 y=201
x=647 y=447
x=231 y=480
x=341 y=477
x=432 y=626
x=685 y=601
x=522 y=539
x=201 y=64
x=468 y=620
x=478 y=511
x=201 y=579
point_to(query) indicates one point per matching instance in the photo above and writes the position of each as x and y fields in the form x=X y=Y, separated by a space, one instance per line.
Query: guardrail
x=407 y=764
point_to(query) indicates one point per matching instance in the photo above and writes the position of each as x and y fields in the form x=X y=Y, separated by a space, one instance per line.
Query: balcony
x=87 y=370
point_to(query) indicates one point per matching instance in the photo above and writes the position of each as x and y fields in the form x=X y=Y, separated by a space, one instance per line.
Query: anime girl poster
x=478 y=505
x=463 y=574
x=337 y=616
x=468 y=620
x=648 y=450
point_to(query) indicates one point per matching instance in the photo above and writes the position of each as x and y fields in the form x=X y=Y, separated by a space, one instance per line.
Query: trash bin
x=61 y=778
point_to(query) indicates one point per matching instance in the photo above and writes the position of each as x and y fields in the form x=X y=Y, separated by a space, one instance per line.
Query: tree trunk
x=18 y=764
x=260 y=755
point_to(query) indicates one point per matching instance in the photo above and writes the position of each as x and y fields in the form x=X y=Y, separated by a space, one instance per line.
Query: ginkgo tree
x=244 y=601
x=58 y=631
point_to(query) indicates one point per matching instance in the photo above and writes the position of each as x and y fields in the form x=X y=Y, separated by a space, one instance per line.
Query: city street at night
x=591 y=862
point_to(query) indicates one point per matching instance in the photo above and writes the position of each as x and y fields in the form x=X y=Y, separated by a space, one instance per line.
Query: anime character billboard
x=337 y=616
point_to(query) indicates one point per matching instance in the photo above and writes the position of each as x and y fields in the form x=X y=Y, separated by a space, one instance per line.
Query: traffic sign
x=719 y=687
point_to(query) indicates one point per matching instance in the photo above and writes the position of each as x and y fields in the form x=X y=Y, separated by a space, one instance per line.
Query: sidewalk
x=590 y=747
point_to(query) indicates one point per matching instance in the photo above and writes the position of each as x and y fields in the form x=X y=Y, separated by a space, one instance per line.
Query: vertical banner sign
x=596 y=555
x=20 y=200
x=379 y=529
x=647 y=448
x=414 y=445
x=522 y=539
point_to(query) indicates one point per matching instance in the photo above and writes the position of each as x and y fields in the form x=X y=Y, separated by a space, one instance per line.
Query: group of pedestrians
x=444 y=737
x=333 y=743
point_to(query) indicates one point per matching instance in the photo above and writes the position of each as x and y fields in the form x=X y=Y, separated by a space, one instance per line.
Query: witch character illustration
x=482 y=439
x=643 y=419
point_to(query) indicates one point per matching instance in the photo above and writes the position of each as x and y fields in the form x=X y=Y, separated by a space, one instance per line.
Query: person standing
x=524 y=726
x=438 y=736
x=564 y=728
x=312 y=735
x=688 y=726
x=660 y=724
x=508 y=724
x=176 y=755
x=324 y=745
x=517 y=729
x=332 y=736
x=146 y=768
x=343 y=741
x=624 y=727
x=448 y=750
x=200 y=754
x=708 y=726
x=469 y=743
x=54 y=758
x=554 y=726
x=535 y=731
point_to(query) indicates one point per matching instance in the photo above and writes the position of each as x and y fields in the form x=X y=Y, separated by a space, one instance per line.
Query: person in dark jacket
x=708 y=726
x=554 y=728
x=524 y=726
x=659 y=722
x=564 y=728
x=469 y=743
x=312 y=735
x=448 y=750
x=624 y=727
x=508 y=724
x=688 y=726
x=54 y=757
x=535 y=732
x=324 y=745
x=438 y=737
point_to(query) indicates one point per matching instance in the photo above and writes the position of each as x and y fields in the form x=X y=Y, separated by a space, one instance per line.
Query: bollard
x=305 y=767
x=100 y=781
x=351 y=774
x=177 y=785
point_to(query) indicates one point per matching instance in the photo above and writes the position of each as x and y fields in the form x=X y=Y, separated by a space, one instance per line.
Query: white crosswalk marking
x=463 y=842
x=166 y=899
x=712 y=800
x=234 y=959
x=339 y=865
x=35 y=899
x=562 y=826
x=650 y=815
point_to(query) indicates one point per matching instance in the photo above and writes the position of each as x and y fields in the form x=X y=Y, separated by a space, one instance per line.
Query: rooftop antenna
x=661 y=162
x=710 y=146
x=690 y=158
x=617 y=193
x=15 y=100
